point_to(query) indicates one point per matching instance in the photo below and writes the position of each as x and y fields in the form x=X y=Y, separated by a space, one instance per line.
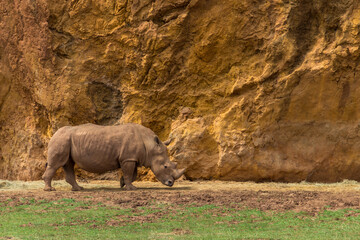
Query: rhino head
x=164 y=170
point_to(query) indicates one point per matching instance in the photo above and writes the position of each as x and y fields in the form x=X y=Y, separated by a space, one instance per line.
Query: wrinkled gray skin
x=99 y=149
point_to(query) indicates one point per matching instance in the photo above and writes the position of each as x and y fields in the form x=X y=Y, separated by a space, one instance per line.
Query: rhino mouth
x=169 y=183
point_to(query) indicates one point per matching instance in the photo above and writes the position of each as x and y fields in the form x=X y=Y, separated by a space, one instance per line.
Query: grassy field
x=67 y=218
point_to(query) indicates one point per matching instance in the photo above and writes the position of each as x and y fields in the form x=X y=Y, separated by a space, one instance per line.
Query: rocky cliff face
x=247 y=90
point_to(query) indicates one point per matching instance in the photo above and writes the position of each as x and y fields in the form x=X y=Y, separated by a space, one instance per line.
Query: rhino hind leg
x=58 y=156
x=70 y=175
x=122 y=182
x=47 y=176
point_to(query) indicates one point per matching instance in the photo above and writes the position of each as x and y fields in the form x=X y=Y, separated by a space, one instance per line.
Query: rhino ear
x=157 y=140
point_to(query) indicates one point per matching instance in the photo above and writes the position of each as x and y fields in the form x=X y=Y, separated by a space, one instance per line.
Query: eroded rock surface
x=247 y=90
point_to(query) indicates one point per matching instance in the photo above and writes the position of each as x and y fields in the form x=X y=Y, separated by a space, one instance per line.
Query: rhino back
x=102 y=148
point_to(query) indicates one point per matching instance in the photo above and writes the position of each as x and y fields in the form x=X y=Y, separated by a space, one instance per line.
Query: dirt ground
x=308 y=197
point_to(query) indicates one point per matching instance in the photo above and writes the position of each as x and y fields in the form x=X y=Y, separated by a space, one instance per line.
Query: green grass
x=70 y=219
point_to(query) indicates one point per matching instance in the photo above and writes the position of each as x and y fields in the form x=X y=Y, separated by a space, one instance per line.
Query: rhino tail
x=46 y=164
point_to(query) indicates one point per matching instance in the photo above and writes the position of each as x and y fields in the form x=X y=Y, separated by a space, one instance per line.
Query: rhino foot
x=130 y=188
x=49 y=189
x=78 y=188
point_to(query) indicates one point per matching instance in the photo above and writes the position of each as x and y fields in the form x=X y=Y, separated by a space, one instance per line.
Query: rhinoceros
x=99 y=149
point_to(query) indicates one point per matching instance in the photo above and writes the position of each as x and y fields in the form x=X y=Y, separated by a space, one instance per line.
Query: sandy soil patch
x=309 y=197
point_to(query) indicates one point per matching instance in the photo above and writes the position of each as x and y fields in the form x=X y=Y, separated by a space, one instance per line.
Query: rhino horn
x=178 y=173
x=167 y=142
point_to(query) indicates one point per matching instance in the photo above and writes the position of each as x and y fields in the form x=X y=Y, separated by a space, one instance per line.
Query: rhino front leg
x=122 y=181
x=70 y=175
x=128 y=169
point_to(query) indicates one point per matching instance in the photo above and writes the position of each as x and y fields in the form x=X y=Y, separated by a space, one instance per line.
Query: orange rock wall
x=247 y=90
